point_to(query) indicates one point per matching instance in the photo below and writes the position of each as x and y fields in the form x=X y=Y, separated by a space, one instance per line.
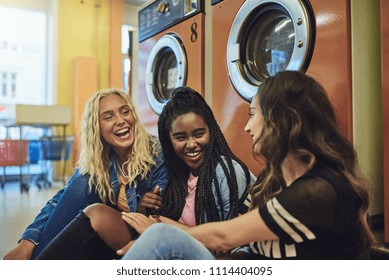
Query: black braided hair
x=186 y=100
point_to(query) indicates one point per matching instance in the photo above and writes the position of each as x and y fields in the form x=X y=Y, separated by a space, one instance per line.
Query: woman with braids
x=208 y=183
x=119 y=164
x=309 y=202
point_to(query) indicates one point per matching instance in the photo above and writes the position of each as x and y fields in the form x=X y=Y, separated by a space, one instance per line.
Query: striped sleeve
x=284 y=224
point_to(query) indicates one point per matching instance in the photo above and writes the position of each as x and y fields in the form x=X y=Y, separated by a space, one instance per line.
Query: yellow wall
x=83 y=30
x=82 y=25
x=367 y=118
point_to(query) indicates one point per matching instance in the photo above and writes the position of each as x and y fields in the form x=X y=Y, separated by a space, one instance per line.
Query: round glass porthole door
x=166 y=69
x=267 y=37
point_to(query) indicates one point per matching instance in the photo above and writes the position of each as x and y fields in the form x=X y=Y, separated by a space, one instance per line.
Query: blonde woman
x=120 y=164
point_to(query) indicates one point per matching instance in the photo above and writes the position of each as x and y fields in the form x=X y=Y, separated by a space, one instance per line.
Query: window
x=25 y=63
x=23 y=56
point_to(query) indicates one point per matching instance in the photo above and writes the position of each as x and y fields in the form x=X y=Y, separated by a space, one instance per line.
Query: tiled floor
x=17 y=211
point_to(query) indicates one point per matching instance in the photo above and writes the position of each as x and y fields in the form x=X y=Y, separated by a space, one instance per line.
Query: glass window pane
x=23 y=55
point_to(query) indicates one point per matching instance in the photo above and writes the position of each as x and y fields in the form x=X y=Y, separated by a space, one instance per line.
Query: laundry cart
x=56 y=148
x=14 y=153
x=48 y=117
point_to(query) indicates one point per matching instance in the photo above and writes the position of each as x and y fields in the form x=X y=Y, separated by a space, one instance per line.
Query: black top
x=315 y=218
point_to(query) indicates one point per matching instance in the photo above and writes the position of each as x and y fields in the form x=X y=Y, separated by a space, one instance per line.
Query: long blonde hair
x=94 y=156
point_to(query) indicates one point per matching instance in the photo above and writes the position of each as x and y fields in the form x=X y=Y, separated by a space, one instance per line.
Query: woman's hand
x=23 y=251
x=124 y=250
x=138 y=221
x=151 y=200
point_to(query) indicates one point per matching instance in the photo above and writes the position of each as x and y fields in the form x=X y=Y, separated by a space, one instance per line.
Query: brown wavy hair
x=299 y=119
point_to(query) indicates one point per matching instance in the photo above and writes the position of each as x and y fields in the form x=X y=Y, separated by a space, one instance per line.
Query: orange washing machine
x=171 y=53
x=253 y=39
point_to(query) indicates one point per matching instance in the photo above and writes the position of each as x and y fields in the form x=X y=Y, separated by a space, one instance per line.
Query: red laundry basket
x=13 y=152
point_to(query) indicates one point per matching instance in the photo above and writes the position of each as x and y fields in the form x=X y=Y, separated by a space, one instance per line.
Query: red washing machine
x=253 y=39
x=171 y=54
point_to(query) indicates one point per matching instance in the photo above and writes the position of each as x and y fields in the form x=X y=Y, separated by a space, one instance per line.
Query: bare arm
x=226 y=235
x=172 y=222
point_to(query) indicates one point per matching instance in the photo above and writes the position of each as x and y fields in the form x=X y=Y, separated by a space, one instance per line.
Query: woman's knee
x=95 y=209
x=100 y=214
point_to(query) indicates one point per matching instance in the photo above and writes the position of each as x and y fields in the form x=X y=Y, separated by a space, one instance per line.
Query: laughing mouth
x=192 y=154
x=122 y=132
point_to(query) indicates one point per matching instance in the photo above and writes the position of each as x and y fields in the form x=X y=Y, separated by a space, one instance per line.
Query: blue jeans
x=165 y=242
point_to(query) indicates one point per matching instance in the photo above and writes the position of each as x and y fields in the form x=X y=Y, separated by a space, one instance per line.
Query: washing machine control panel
x=159 y=15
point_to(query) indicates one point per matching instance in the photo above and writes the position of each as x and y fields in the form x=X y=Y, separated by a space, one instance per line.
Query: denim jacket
x=224 y=189
x=75 y=196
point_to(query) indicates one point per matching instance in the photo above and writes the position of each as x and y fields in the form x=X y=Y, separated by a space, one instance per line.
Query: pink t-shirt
x=188 y=214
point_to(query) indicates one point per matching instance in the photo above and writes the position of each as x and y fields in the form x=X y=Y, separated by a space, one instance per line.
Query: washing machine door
x=166 y=69
x=268 y=36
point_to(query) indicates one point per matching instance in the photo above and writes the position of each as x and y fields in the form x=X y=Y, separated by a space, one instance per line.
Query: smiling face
x=255 y=124
x=190 y=138
x=117 y=124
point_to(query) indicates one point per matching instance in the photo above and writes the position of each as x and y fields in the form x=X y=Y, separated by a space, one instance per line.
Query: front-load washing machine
x=253 y=39
x=171 y=54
